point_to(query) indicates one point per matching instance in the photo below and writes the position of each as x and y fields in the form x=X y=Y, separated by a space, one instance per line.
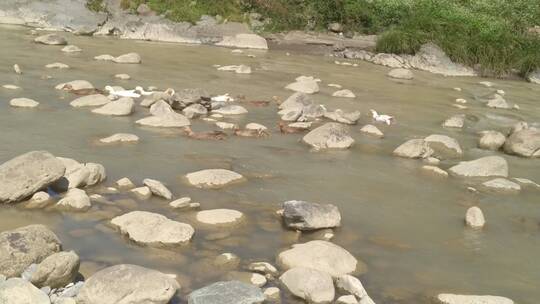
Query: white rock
x=157 y=188
x=372 y=130
x=75 y=200
x=471 y=299
x=350 y=299
x=312 y=285
x=104 y=57
x=120 y=138
x=171 y=120
x=231 y=110
x=213 y=178
x=153 y=229
x=57 y=65
x=304 y=86
x=344 y=94
x=272 y=294
x=71 y=49
x=238 y=69
x=125 y=183
x=10 y=87
x=180 y=203
x=255 y=127
x=226 y=125
x=122 y=76
x=401 y=74
x=258 y=280
x=142 y=192
x=456 y=121
x=502 y=184
x=23 y=103
x=129 y=58
x=74 y=85
x=351 y=285
x=219 y=217
x=474 y=218
x=435 y=171
x=482 y=167
x=248 y=41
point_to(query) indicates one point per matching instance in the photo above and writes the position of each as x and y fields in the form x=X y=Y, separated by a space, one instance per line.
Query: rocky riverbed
x=250 y=176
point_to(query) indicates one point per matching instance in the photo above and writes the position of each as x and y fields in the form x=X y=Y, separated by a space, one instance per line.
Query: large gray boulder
x=227 y=292
x=482 y=167
x=310 y=216
x=320 y=255
x=414 y=148
x=433 y=59
x=444 y=146
x=446 y=298
x=152 y=229
x=329 y=136
x=51 y=14
x=312 y=285
x=121 y=107
x=524 y=143
x=128 y=284
x=19 y=291
x=24 y=175
x=22 y=247
x=57 y=270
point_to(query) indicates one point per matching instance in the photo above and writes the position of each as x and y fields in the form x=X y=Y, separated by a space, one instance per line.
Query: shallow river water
x=406 y=226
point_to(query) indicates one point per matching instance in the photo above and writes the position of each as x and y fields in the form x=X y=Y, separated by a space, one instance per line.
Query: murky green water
x=406 y=226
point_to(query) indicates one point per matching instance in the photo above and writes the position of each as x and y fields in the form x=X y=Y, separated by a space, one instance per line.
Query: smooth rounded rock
x=75 y=200
x=120 y=138
x=414 y=148
x=482 y=167
x=401 y=74
x=312 y=285
x=474 y=217
x=227 y=292
x=129 y=58
x=213 y=178
x=491 y=140
x=19 y=291
x=310 y=216
x=57 y=270
x=152 y=229
x=329 y=136
x=157 y=188
x=121 y=107
x=23 y=103
x=221 y=217
x=93 y=100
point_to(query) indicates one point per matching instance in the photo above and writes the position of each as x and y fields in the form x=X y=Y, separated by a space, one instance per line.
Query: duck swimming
x=141 y=91
x=387 y=119
x=122 y=93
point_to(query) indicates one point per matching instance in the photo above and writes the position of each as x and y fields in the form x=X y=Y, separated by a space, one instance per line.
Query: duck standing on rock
x=387 y=119
x=141 y=91
x=122 y=93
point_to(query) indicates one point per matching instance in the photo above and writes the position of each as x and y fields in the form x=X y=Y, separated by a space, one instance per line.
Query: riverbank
x=136 y=21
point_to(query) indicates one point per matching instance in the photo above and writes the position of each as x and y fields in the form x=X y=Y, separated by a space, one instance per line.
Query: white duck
x=122 y=93
x=223 y=98
x=387 y=119
x=141 y=91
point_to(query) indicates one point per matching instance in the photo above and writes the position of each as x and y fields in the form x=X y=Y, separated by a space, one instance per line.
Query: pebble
x=122 y=76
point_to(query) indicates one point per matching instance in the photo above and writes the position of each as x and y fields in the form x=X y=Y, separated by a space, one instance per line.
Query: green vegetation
x=492 y=35
x=95 y=5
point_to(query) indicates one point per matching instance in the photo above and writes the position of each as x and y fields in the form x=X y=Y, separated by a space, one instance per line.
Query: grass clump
x=95 y=5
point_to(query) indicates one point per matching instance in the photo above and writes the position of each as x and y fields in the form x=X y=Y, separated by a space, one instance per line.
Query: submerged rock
x=456 y=121
x=372 y=130
x=344 y=94
x=312 y=285
x=152 y=229
x=502 y=185
x=446 y=298
x=120 y=138
x=444 y=146
x=57 y=270
x=329 y=136
x=170 y=120
x=498 y=102
x=220 y=217
x=306 y=85
x=320 y=255
x=19 y=291
x=227 y=292
x=482 y=167
x=24 y=175
x=74 y=85
x=128 y=284
x=22 y=247
x=525 y=143
x=71 y=49
x=51 y=39
x=75 y=200
x=213 y=178
x=23 y=103
x=342 y=117
x=401 y=74
x=414 y=148
x=310 y=216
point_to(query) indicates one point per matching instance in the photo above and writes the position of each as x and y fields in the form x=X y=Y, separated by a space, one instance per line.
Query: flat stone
x=245 y=41
x=401 y=74
x=122 y=76
x=435 y=171
x=256 y=127
x=345 y=118
x=129 y=58
x=302 y=215
x=24 y=175
x=121 y=107
x=238 y=69
x=227 y=292
x=329 y=136
x=93 y=100
x=152 y=229
x=71 y=49
x=158 y=188
x=51 y=39
x=231 y=110
x=349 y=299
x=344 y=94
x=171 y=120
x=444 y=146
x=220 y=217
x=306 y=86
x=57 y=65
x=446 y=298
x=23 y=103
x=22 y=247
x=142 y=192
x=128 y=284
x=74 y=85
x=183 y=202
x=372 y=130
x=213 y=178
x=120 y=138
x=502 y=185
x=312 y=285
x=320 y=255
x=482 y=167
x=104 y=57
